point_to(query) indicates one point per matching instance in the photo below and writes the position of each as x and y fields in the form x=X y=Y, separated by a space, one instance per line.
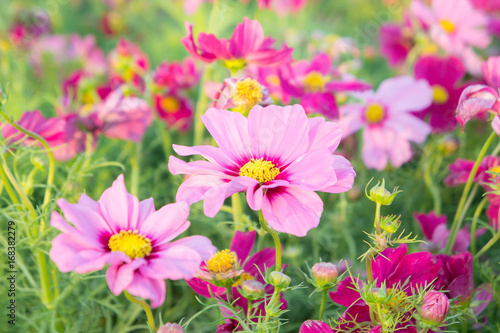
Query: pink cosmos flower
x=61 y=133
x=190 y=6
x=269 y=77
x=455 y=25
x=282 y=7
x=277 y=156
x=122 y=117
x=69 y=48
x=250 y=265
x=315 y=82
x=128 y=64
x=132 y=238
x=394 y=267
x=396 y=40
x=460 y=170
x=175 y=110
x=487 y=5
x=387 y=120
x=248 y=45
x=491 y=72
x=477 y=100
x=177 y=75
x=315 y=326
x=436 y=233
x=456 y=276
x=444 y=75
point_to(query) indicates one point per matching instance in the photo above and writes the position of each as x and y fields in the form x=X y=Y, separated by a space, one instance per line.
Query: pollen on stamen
x=131 y=243
x=247 y=94
x=222 y=262
x=259 y=169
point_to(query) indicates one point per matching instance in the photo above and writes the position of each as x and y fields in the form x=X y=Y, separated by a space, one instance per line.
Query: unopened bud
x=390 y=223
x=252 y=290
x=171 y=328
x=279 y=280
x=434 y=308
x=380 y=195
x=324 y=273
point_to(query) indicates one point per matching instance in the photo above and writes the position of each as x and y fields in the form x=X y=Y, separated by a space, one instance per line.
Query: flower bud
x=380 y=195
x=279 y=280
x=171 y=328
x=252 y=290
x=324 y=273
x=315 y=326
x=434 y=308
x=474 y=100
x=390 y=223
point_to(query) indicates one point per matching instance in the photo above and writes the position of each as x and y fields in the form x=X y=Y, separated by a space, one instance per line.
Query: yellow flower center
x=170 y=104
x=315 y=82
x=448 y=26
x=243 y=277
x=260 y=170
x=495 y=169
x=248 y=93
x=374 y=113
x=440 y=94
x=131 y=243
x=235 y=65
x=222 y=262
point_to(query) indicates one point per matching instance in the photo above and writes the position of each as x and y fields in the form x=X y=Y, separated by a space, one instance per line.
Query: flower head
x=248 y=45
x=315 y=326
x=491 y=72
x=277 y=156
x=387 y=120
x=171 y=328
x=174 y=109
x=324 y=273
x=132 y=238
x=476 y=100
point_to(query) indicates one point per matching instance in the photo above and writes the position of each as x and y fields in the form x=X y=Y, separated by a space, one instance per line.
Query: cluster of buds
x=380 y=195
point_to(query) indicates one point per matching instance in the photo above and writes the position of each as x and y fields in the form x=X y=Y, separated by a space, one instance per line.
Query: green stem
x=380 y=318
x=431 y=186
x=136 y=169
x=473 y=229
x=458 y=216
x=488 y=245
x=237 y=211
x=145 y=306
x=27 y=203
x=276 y=239
x=369 y=272
x=377 y=219
x=323 y=301
x=249 y=308
x=229 y=293
x=10 y=190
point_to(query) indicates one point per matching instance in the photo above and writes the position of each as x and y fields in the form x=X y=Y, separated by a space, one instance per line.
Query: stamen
x=131 y=243
x=260 y=170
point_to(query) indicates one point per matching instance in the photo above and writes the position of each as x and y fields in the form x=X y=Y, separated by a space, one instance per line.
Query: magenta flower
x=175 y=110
x=487 y=5
x=128 y=65
x=476 y=100
x=387 y=120
x=241 y=245
x=248 y=45
x=315 y=82
x=177 y=75
x=460 y=170
x=315 y=326
x=436 y=233
x=61 y=133
x=396 y=41
x=455 y=25
x=394 y=267
x=132 y=238
x=277 y=156
x=456 y=276
x=121 y=117
x=443 y=75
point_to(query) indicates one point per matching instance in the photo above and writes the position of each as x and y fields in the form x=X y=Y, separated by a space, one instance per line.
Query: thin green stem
x=136 y=169
x=27 y=203
x=249 y=308
x=322 y=306
x=431 y=186
x=145 y=306
x=473 y=228
x=380 y=317
x=275 y=236
x=237 y=211
x=488 y=245
x=377 y=219
x=458 y=216
x=369 y=272
x=229 y=293
x=10 y=190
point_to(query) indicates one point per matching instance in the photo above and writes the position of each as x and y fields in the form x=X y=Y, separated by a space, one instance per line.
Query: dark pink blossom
x=315 y=326
x=175 y=110
x=444 y=76
x=177 y=75
x=248 y=45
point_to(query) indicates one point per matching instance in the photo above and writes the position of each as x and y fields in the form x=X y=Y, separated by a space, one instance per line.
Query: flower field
x=250 y=166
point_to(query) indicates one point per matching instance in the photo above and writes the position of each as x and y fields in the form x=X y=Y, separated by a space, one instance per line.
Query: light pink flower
x=475 y=101
x=248 y=45
x=277 y=156
x=122 y=117
x=132 y=238
x=453 y=24
x=387 y=120
x=491 y=72
x=282 y=7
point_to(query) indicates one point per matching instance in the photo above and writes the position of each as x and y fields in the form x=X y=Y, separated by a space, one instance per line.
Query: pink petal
x=242 y=244
x=119 y=277
x=292 y=210
x=152 y=289
x=166 y=223
x=323 y=134
x=345 y=175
